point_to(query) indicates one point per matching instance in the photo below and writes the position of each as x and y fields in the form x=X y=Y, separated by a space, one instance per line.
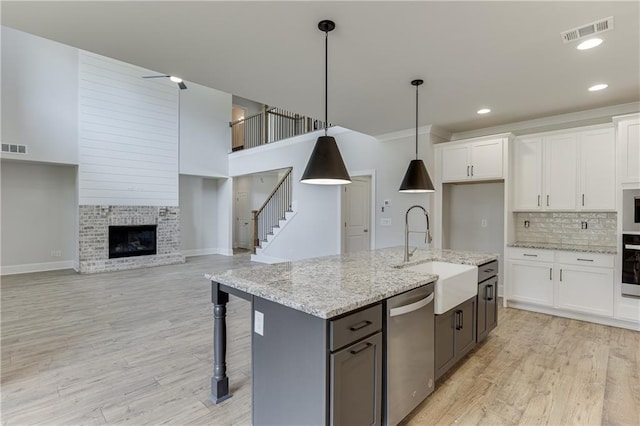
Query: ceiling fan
x=178 y=80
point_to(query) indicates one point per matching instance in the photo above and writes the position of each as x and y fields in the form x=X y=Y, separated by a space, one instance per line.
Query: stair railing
x=274 y=209
x=271 y=125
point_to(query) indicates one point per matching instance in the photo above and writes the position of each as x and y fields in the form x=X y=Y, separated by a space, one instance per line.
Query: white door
x=527 y=170
x=587 y=290
x=531 y=282
x=560 y=163
x=243 y=220
x=597 y=170
x=455 y=163
x=356 y=204
x=486 y=159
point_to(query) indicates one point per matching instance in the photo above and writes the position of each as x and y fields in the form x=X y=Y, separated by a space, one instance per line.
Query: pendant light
x=325 y=166
x=417 y=178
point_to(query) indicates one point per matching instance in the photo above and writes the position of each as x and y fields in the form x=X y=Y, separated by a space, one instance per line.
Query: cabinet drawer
x=346 y=330
x=531 y=254
x=487 y=270
x=585 y=259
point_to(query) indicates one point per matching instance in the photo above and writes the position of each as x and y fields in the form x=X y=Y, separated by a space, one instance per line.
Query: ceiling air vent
x=588 y=30
x=14 y=149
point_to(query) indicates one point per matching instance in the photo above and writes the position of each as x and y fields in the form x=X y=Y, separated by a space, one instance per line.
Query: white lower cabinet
x=531 y=282
x=563 y=284
x=585 y=289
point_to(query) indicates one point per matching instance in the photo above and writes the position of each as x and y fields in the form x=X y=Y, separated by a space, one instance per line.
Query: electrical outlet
x=56 y=253
x=584 y=225
x=526 y=223
x=385 y=221
x=483 y=223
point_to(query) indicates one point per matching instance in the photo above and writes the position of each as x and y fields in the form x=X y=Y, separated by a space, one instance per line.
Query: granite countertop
x=566 y=247
x=333 y=285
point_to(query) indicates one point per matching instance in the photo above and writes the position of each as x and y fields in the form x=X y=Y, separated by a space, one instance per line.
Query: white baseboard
x=267 y=259
x=206 y=251
x=36 y=267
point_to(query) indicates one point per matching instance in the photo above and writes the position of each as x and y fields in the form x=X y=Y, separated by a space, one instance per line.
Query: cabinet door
x=560 y=172
x=356 y=383
x=531 y=282
x=527 y=174
x=588 y=290
x=455 y=163
x=629 y=143
x=445 y=345
x=486 y=159
x=487 y=317
x=597 y=170
x=465 y=325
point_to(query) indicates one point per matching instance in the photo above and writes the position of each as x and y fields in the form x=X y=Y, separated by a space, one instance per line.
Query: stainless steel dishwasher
x=410 y=365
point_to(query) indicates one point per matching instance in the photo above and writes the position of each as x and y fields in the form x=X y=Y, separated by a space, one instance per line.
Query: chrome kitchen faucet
x=427 y=233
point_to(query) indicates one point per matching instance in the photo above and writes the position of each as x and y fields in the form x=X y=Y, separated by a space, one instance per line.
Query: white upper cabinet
x=472 y=160
x=527 y=173
x=560 y=174
x=629 y=146
x=597 y=174
x=565 y=171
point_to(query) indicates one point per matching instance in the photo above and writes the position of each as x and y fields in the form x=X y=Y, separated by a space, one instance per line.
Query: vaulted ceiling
x=507 y=56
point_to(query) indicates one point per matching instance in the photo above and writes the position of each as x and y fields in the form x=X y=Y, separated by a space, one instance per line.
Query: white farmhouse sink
x=456 y=283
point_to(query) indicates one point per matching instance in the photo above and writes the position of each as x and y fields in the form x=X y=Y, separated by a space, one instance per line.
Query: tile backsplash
x=566 y=228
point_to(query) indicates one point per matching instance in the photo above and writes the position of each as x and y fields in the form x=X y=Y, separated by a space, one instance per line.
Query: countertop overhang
x=329 y=286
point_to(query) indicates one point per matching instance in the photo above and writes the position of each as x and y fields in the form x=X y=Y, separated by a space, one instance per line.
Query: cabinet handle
x=538 y=200
x=529 y=255
x=582 y=200
x=547 y=200
x=467 y=171
x=360 y=325
x=461 y=320
x=488 y=270
x=550 y=274
x=490 y=298
x=560 y=275
x=366 y=345
x=585 y=260
x=471 y=170
x=458 y=327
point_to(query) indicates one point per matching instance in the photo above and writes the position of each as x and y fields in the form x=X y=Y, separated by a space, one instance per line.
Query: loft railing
x=274 y=209
x=271 y=125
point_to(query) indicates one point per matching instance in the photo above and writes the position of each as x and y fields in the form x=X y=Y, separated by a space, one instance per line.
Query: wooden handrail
x=274 y=208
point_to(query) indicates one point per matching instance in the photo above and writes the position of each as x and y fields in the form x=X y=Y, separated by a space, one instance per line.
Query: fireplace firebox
x=126 y=241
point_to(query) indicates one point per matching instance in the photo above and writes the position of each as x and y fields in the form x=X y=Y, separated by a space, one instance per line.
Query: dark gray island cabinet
x=319 y=334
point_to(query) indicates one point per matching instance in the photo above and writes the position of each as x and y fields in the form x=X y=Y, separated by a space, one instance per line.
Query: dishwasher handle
x=401 y=310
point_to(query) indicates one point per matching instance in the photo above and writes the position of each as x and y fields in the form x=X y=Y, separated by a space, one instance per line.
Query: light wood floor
x=135 y=347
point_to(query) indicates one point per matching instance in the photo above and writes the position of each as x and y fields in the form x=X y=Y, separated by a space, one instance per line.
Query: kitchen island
x=297 y=307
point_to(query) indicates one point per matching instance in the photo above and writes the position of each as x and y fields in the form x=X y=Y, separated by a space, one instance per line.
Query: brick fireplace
x=94 y=223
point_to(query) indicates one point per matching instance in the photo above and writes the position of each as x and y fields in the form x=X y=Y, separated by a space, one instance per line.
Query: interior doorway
x=356 y=215
x=243 y=220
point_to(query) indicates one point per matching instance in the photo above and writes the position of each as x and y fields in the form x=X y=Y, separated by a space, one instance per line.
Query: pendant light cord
x=326 y=81
x=416 y=121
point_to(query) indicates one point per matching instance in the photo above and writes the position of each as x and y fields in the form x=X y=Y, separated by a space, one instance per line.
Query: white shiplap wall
x=128 y=134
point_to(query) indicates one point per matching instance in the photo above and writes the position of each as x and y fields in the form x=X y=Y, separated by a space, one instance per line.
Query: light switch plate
x=385 y=221
x=258 y=322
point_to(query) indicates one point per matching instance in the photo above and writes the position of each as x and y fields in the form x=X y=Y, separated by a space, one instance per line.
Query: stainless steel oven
x=631 y=265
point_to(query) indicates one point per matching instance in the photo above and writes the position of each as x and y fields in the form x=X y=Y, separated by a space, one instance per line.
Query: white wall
x=38 y=216
x=198 y=215
x=205 y=135
x=39 y=97
x=128 y=135
x=315 y=230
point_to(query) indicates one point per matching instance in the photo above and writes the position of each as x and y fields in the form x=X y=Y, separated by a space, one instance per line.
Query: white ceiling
x=505 y=55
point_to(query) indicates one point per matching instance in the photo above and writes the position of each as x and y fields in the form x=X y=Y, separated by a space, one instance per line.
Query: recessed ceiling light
x=590 y=43
x=484 y=111
x=597 y=87
x=175 y=79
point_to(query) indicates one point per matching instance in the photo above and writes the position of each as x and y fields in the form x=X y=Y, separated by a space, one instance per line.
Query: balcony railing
x=271 y=125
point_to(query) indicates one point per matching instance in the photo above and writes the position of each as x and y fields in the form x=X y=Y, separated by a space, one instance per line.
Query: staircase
x=274 y=213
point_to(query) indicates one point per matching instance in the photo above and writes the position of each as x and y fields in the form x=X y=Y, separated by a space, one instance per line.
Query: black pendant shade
x=325 y=166
x=416 y=179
